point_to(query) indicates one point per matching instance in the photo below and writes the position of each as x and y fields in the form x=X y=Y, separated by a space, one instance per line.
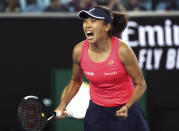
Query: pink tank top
x=110 y=84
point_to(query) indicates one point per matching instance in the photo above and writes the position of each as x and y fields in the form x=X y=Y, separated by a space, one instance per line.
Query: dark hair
x=119 y=21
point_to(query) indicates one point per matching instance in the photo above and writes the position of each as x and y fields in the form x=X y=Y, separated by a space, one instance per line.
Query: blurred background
x=36 y=42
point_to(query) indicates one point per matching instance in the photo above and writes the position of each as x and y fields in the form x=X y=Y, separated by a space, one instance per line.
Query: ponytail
x=119 y=24
x=119 y=21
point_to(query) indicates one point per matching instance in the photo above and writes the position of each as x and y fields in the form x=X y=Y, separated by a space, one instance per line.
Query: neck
x=101 y=46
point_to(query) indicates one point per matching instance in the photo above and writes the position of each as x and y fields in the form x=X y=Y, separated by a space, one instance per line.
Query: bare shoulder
x=125 y=51
x=77 y=51
x=124 y=48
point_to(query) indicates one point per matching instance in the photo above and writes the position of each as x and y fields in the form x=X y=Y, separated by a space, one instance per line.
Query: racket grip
x=69 y=114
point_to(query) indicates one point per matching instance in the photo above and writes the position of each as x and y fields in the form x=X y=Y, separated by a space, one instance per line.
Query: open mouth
x=89 y=33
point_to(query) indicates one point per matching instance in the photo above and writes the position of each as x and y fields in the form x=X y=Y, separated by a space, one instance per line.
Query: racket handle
x=69 y=114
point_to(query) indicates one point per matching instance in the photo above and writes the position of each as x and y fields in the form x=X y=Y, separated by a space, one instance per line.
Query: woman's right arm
x=74 y=83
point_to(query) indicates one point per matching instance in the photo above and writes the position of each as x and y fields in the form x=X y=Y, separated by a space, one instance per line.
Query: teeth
x=88 y=31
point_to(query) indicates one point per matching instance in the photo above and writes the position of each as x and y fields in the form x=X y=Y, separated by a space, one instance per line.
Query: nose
x=87 y=23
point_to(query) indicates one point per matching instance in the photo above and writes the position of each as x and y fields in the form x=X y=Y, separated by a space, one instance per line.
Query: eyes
x=92 y=20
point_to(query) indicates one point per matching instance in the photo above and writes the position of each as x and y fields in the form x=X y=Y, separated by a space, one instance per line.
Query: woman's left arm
x=129 y=60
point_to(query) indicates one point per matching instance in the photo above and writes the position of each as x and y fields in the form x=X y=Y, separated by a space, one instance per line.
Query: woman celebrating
x=116 y=80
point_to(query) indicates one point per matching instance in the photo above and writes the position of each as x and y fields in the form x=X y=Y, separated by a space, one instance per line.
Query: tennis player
x=110 y=65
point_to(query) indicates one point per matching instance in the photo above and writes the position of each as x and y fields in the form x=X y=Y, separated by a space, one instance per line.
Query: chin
x=91 y=41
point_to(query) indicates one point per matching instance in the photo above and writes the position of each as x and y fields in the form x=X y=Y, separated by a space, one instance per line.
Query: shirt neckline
x=107 y=59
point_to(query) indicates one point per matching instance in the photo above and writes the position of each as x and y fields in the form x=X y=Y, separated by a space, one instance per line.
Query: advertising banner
x=155 y=40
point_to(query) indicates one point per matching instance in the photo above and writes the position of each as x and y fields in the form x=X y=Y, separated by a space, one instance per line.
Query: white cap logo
x=91 y=9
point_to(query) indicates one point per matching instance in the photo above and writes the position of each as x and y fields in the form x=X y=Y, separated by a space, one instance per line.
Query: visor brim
x=83 y=14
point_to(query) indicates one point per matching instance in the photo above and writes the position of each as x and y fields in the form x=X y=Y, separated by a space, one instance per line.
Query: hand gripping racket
x=33 y=115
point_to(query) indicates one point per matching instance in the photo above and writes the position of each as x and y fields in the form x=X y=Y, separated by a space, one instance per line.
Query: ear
x=107 y=27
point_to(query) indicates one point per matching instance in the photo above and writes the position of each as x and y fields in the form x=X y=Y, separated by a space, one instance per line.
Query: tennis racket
x=33 y=115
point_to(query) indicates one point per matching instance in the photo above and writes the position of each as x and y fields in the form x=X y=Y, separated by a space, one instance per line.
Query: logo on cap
x=91 y=9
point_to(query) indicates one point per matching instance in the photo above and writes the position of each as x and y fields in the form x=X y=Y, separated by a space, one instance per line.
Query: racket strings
x=32 y=119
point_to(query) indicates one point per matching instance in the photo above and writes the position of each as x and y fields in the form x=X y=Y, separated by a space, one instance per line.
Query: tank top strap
x=84 y=49
x=115 y=42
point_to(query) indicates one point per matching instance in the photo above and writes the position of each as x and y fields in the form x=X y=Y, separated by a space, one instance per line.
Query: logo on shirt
x=111 y=62
x=110 y=73
x=89 y=73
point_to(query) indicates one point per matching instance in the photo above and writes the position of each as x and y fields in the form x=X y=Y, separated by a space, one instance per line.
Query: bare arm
x=75 y=81
x=130 y=63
